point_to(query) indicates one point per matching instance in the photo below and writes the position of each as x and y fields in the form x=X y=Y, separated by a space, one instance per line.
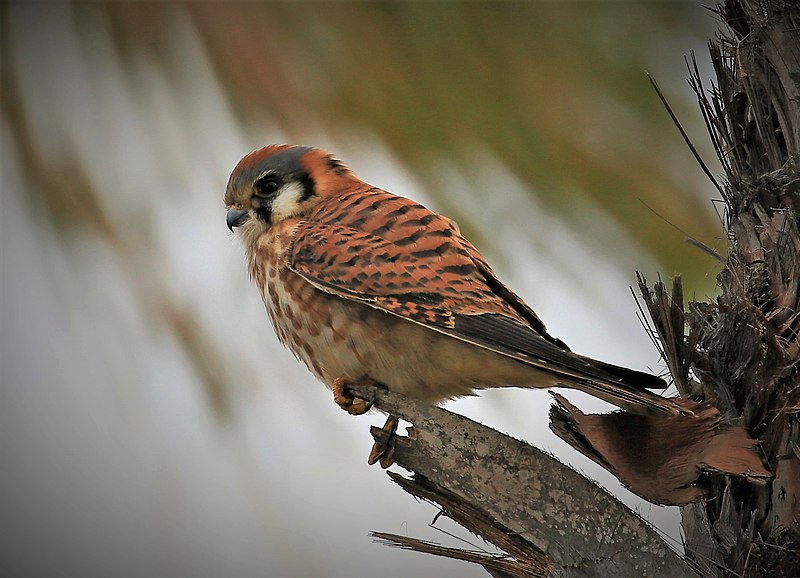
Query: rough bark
x=548 y=518
x=743 y=349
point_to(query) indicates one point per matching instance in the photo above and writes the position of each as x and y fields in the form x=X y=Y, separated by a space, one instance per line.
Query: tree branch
x=564 y=520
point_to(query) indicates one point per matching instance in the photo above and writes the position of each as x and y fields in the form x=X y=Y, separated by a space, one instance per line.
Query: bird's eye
x=267 y=187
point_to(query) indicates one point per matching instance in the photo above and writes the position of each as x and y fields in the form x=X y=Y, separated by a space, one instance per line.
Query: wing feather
x=421 y=269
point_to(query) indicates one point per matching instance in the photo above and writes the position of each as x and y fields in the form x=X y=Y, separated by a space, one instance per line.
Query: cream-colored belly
x=335 y=338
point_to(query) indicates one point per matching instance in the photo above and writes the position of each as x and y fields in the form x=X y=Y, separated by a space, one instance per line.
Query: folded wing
x=423 y=270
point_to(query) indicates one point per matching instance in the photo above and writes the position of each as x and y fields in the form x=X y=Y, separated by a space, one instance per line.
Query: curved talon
x=383 y=448
x=346 y=400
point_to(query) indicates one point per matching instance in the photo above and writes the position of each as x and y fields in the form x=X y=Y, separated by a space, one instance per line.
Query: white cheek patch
x=287 y=202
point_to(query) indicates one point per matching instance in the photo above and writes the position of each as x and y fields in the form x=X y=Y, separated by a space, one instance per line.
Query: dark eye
x=267 y=186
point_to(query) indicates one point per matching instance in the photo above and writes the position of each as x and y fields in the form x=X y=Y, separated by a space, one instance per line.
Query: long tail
x=627 y=389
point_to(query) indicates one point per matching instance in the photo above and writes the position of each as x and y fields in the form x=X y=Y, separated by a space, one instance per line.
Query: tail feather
x=632 y=377
x=632 y=398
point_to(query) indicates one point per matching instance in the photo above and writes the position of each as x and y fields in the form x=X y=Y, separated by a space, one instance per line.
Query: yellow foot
x=383 y=448
x=346 y=400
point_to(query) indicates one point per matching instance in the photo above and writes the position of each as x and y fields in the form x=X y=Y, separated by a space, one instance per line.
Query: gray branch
x=563 y=517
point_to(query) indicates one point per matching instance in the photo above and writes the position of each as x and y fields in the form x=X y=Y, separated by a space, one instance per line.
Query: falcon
x=368 y=287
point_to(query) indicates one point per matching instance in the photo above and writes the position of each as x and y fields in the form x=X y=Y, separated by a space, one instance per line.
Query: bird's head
x=280 y=182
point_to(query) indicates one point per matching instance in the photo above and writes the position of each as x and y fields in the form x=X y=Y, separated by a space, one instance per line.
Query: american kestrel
x=365 y=286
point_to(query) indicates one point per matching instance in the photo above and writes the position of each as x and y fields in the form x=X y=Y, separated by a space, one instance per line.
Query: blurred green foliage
x=555 y=91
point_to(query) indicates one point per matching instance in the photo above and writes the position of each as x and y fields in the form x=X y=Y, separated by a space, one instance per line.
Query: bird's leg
x=346 y=400
x=383 y=448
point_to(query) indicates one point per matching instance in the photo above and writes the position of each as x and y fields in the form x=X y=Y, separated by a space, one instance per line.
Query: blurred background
x=150 y=423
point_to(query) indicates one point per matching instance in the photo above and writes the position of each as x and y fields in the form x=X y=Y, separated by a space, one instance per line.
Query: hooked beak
x=235 y=218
